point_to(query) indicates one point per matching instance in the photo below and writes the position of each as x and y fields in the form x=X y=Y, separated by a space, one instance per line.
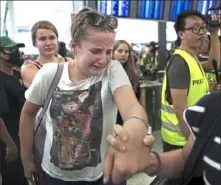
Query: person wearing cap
x=11 y=103
x=150 y=60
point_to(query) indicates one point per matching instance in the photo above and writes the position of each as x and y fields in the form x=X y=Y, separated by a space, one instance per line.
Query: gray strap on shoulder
x=51 y=90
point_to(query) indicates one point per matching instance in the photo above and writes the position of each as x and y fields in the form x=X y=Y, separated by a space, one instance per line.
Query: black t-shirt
x=178 y=75
x=193 y=116
x=11 y=102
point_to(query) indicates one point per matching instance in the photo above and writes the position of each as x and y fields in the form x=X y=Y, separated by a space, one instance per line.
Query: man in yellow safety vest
x=185 y=81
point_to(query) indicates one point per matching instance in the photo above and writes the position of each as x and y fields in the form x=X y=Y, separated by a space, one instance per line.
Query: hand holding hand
x=127 y=155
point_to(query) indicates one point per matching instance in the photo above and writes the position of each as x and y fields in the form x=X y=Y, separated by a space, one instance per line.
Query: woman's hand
x=124 y=157
x=120 y=137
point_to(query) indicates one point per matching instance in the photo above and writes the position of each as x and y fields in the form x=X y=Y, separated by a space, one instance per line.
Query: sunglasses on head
x=96 y=19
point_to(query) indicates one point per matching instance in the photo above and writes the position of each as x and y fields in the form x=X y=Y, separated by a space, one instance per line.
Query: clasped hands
x=129 y=152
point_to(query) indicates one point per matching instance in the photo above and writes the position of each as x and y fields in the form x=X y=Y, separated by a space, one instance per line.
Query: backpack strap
x=51 y=90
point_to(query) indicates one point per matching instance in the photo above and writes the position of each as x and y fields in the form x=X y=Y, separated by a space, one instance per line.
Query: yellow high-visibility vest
x=198 y=87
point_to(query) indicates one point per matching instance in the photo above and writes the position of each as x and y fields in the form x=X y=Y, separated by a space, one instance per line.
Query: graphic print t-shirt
x=78 y=120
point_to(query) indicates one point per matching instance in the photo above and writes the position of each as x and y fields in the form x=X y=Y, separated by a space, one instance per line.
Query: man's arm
x=179 y=97
x=214 y=53
x=26 y=129
x=172 y=163
x=5 y=136
x=179 y=81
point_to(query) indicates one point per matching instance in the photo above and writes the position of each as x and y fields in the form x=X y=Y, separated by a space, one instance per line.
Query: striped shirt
x=192 y=116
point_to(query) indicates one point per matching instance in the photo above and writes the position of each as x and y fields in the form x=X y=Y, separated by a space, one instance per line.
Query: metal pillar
x=162 y=41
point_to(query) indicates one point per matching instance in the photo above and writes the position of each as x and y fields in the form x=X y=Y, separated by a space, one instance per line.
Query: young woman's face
x=95 y=52
x=122 y=53
x=46 y=42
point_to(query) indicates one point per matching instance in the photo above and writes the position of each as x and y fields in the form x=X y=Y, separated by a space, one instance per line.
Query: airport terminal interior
x=143 y=39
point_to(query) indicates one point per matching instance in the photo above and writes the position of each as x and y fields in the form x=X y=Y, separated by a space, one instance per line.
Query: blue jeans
x=48 y=180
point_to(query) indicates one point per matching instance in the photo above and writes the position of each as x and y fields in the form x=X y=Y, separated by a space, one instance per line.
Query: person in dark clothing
x=5 y=138
x=12 y=100
x=62 y=50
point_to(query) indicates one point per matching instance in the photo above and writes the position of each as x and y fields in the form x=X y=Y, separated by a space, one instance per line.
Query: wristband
x=156 y=172
x=149 y=128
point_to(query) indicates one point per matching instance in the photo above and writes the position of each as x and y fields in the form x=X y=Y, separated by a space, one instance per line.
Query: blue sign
x=203 y=6
x=22 y=29
x=118 y=8
x=150 y=9
x=179 y=6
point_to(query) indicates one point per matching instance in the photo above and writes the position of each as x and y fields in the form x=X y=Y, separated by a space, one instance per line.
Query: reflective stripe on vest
x=198 y=87
x=171 y=127
x=167 y=109
x=166 y=125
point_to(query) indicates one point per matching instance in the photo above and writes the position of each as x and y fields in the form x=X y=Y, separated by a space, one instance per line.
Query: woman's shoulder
x=113 y=64
x=29 y=67
x=64 y=59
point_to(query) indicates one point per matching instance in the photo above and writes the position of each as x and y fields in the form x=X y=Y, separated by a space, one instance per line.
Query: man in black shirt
x=12 y=100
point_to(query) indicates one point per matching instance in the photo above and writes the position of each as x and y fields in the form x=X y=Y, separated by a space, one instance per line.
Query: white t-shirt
x=78 y=120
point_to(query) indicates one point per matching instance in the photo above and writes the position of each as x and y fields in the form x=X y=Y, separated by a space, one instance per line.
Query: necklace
x=75 y=71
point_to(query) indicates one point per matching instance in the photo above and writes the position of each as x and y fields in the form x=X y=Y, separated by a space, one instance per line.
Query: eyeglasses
x=197 y=29
x=98 y=20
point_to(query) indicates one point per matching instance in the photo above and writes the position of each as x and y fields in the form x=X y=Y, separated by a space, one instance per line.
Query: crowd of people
x=96 y=85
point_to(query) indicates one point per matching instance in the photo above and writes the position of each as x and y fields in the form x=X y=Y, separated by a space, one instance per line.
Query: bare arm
x=26 y=129
x=135 y=130
x=5 y=136
x=172 y=162
x=28 y=73
x=179 y=81
x=179 y=97
x=128 y=105
x=214 y=53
